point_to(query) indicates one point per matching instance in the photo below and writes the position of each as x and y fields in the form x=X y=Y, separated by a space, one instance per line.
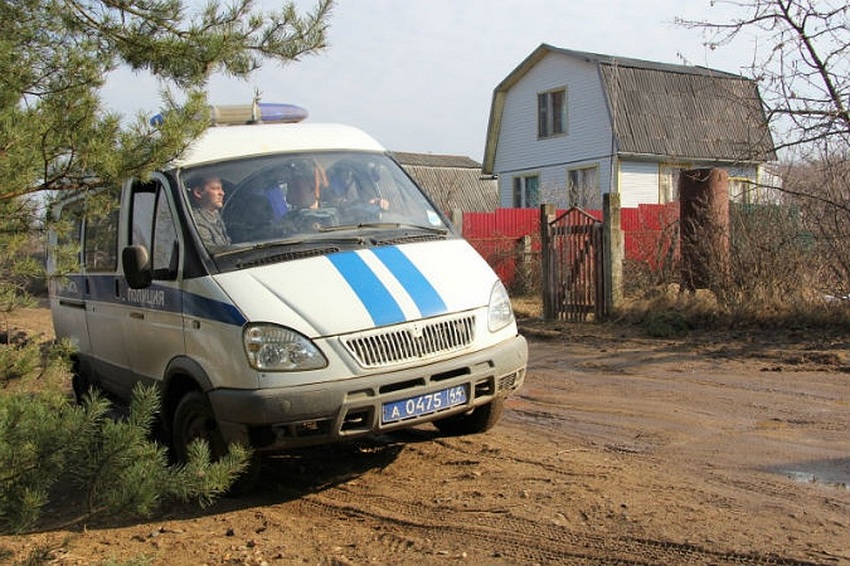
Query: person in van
x=302 y=192
x=304 y=187
x=208 y=199
x=349 y=189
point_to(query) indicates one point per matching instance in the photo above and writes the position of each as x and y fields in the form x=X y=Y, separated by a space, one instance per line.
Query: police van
x=284 y=284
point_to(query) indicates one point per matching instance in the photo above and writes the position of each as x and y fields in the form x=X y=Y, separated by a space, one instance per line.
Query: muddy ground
x=721 y=448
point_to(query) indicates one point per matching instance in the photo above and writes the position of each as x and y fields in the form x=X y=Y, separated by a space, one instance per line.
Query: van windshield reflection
x=298 y=198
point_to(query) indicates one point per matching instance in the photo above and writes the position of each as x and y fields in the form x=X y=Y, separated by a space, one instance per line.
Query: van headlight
x=274 y=348
x=499 y=312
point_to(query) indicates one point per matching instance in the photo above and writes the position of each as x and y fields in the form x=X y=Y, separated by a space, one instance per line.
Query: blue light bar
x=262 y=112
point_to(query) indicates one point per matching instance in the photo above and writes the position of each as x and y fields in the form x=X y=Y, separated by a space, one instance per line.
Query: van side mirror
x=136 y=262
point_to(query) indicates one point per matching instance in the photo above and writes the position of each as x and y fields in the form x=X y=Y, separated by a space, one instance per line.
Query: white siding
x=588 y=137
x=638 y=183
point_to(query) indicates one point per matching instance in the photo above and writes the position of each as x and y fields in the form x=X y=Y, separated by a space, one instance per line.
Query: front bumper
x=282 y=418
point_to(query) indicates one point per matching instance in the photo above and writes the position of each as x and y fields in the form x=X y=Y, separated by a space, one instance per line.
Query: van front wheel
x=479 y=419
x=194 y=420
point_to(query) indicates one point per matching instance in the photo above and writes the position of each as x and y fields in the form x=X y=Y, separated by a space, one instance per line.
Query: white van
x=354 y=310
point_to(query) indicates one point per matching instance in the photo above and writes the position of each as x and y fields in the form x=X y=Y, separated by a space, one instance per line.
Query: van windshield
x=303 y=197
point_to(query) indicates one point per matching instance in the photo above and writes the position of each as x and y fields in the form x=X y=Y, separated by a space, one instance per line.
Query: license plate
x=423 y=404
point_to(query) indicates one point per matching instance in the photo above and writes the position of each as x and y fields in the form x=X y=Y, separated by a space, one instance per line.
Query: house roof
x=664 y=110
x=452 y=181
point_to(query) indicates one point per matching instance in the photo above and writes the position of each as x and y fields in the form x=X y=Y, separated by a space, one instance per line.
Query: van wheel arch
x=186 y=405
x=182 y=376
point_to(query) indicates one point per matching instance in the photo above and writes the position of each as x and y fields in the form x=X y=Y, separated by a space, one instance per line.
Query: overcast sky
x=419 y=74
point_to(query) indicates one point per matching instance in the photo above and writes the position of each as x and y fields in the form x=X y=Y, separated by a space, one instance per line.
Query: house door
x=573 y=288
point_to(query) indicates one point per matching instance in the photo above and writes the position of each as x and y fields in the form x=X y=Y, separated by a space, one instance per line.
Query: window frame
x=668 y=174
x=551 y=114
x=581 y=193
x=100 y=241
x=164 y=263
x=744 y=190
x=520 y=193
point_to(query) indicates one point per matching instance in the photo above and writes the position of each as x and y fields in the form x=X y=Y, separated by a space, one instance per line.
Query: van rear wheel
x=79 y=381
x=480 y=419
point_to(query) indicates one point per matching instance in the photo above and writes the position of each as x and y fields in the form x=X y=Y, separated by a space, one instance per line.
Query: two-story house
x=567 y=126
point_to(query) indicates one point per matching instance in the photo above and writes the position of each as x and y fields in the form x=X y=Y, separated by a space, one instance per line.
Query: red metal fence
x=508 y=236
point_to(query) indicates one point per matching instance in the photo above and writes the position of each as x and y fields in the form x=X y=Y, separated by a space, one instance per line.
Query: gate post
x=613 y=252
x=547 y=215
x=457 y=219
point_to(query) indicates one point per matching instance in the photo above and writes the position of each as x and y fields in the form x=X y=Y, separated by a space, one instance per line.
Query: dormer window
x=552 y=113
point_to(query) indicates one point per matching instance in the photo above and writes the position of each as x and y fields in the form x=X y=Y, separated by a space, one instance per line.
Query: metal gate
x=573 y=288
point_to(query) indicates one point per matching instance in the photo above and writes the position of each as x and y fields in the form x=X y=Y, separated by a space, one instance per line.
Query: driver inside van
x=207 y=201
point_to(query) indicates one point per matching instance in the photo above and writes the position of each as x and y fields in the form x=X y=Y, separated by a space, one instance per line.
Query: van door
x=65 y=268
x=153 y=328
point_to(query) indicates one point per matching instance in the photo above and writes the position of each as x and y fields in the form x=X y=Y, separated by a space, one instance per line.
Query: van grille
x=415 y=341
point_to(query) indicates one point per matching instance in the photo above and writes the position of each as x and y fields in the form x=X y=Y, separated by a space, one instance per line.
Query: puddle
x=831 y=473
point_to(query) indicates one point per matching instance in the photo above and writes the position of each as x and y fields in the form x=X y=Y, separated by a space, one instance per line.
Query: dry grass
x=527 y=306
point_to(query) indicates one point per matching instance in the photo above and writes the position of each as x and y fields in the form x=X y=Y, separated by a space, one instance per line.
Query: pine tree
x=56 y=135
x=56 y=54
x=114 y=463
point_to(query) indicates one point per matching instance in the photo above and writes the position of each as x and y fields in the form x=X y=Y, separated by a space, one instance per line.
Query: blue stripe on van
x=379 y=303
x=205 y=308
x=427 y=300
x=102 y=288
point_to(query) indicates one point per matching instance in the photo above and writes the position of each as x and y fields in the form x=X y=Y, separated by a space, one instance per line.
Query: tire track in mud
x=516 y=540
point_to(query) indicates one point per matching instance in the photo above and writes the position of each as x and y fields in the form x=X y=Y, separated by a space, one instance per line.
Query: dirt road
x=618 y=450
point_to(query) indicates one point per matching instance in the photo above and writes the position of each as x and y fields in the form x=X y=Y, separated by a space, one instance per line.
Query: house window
x=583 y=186
x=526 y=192
x=668 y=182
x=743 y=190
x=552 y=113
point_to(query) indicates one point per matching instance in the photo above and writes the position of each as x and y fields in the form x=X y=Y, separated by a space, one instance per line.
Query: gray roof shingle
x=687 y=115
x=452 y=181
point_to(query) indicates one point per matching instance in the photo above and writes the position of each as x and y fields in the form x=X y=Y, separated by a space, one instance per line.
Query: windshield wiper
x=260 y=246
x=431 y=229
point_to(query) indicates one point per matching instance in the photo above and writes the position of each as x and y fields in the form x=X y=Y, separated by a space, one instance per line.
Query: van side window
x=100 y=251
x=67 y=256
x=153 y=227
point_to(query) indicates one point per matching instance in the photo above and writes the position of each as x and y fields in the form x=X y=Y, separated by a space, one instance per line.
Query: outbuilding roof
x=452 y=181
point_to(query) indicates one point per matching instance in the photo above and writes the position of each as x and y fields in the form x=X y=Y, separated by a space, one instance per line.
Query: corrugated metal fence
x=509 y=239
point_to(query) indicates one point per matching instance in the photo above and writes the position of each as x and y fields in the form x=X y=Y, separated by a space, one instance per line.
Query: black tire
x=194 y=420
x=81 y=387
x=80 y=382
x=480 y=419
